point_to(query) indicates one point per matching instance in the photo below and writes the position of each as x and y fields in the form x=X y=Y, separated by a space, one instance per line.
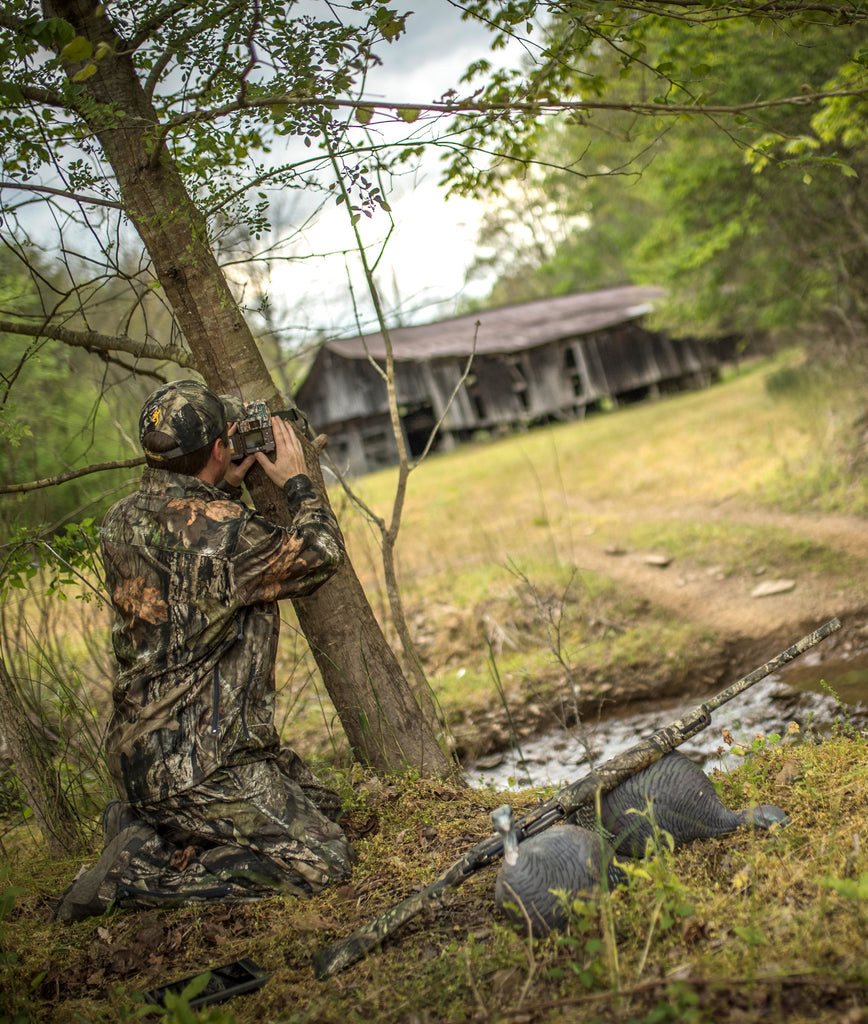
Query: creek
x=814 y=698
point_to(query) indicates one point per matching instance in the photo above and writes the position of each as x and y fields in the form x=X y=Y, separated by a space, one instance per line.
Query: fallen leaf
x=790 y=772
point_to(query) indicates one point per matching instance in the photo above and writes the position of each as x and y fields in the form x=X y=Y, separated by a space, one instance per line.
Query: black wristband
x=230 y=489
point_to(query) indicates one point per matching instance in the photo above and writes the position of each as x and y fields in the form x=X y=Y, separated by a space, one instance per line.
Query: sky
x=424 y=266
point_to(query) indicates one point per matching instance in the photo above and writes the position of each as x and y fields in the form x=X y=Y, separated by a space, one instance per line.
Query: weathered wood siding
x=346 y=398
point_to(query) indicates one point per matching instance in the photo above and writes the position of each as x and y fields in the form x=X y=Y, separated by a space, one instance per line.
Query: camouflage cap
x=188 y=412
x=233 y=406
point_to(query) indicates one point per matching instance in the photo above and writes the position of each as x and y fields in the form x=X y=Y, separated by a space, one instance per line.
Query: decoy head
x=767 y=815
x=504 y=823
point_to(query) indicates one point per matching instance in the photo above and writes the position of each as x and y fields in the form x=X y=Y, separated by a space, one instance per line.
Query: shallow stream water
x=769 y=706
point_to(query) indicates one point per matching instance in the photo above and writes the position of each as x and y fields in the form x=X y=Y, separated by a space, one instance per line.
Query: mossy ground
x=750 y=927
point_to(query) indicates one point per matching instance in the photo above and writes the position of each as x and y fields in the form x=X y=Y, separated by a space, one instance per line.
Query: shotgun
x=583 y=791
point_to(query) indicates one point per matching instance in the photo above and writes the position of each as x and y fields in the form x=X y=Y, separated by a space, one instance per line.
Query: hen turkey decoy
x=564 y=858
x=675 y=795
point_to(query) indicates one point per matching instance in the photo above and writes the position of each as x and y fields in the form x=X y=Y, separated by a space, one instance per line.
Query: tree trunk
x=385 y=727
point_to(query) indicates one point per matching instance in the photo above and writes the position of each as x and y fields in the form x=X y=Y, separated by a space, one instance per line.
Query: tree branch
x=148 y=27
x=473 y=106
x=93 y=341
x=146 y=30
x=62 y=193
x=62 y=478
x=785 y=9
x=43 y=96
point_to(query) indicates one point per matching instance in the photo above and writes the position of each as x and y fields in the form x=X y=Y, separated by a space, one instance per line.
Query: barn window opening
x=418 y=421
x=519 y=383
x=574 y=372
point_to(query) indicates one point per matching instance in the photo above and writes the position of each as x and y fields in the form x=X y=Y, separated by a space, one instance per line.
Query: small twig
x=62 y=478
x=659 y=906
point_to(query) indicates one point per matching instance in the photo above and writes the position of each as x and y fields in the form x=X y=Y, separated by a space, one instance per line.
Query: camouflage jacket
x=195 y=578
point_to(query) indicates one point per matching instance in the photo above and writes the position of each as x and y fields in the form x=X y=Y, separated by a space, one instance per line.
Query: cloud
x=421 y=270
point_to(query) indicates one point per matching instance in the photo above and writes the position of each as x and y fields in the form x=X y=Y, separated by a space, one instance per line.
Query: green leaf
x=79 y=49
x=408 y=114
x=364 y=114
x=196 y=985
x=85 y=73
x=851 y=888
x=10 y=93
x=750 y=934
x=390 y=24
x=53 y=32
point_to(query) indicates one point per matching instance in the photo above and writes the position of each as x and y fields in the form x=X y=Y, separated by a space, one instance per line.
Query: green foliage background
x=58 y=412
x=755 y=223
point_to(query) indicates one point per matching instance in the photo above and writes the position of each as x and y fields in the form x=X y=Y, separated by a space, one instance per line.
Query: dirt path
x=725 y=603
x=744 y=630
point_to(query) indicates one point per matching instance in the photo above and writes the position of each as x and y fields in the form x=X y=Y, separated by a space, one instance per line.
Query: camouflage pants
x=248 y=831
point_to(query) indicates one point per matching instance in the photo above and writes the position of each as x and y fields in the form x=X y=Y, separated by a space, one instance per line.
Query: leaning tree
x=145 y=114
x=158 y=124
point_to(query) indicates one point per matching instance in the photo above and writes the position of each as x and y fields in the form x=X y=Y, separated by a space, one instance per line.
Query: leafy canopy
x=229 y=83
x=750 y=210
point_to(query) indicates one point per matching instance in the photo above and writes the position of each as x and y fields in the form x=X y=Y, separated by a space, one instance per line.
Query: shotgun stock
x=604 y=777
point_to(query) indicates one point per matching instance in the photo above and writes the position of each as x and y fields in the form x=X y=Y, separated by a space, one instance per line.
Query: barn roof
x=508 y=329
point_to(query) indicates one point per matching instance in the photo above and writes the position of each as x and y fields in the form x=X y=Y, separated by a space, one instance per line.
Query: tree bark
x=385 y=727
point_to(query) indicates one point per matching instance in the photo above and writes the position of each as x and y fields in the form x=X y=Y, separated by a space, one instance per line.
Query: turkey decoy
x=675 y=795
x=563 y=858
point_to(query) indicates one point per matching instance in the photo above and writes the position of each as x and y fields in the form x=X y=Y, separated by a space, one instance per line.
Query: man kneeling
x=211 y=807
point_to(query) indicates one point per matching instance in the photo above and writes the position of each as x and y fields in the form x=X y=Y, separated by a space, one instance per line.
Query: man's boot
x=93 y=890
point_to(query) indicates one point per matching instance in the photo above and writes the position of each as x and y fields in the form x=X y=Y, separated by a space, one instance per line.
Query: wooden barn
x=538 y=362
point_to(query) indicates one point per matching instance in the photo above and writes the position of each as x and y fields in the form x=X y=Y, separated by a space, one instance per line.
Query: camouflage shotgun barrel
x=604 y=777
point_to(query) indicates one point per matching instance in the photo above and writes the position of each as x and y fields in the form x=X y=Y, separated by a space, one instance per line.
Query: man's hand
x=288 y=455
x=237 y=471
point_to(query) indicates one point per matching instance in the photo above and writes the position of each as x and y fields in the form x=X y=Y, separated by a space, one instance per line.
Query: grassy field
x=499 y=600
x=747 y=928
x=764 y=436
